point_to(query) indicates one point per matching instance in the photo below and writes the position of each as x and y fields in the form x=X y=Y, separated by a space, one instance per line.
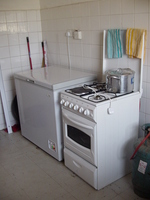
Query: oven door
x=80 y=136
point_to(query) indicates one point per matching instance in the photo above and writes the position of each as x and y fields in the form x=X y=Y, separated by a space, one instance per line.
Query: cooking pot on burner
x=120 y=80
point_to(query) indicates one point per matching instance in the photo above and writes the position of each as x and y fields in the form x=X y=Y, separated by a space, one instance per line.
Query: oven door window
x=79 y=137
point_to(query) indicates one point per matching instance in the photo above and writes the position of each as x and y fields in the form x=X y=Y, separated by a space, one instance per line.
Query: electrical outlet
x=77 y=35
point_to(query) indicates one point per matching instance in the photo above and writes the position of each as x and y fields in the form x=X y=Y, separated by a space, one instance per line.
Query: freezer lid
x=55 y=77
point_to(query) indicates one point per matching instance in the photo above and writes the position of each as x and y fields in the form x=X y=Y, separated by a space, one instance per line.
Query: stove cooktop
x=96 y=92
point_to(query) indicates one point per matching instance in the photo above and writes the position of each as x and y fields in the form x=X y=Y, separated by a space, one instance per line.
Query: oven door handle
x=78 y=123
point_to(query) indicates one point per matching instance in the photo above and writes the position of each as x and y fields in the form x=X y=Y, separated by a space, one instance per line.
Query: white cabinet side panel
x=116 y=135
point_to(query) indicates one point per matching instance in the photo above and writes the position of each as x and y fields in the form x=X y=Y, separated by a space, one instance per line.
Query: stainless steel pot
x=120 y=80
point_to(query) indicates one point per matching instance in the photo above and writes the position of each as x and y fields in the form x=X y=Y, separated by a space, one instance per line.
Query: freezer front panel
x=37 y=117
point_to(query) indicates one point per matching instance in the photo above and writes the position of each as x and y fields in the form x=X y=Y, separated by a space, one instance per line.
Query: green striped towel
x=114 y=44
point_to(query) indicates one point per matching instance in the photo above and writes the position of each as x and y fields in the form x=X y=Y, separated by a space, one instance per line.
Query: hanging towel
x=114 y=44
x=134 y=42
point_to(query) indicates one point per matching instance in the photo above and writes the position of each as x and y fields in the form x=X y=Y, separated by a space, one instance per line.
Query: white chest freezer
x=38 y=96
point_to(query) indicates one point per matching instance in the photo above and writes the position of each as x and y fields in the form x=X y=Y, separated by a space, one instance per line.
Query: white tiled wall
x=92 y=17
x=14 y=5
x=15 y=26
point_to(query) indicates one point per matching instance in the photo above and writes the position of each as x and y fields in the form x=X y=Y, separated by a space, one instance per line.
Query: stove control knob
x=62 y=101
x=66 y=103
x=81 y=109
x=71 y=105
x=76 y=107
x=86 y=112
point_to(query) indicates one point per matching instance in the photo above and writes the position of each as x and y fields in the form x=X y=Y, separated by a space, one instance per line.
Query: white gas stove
x=99 y=130
x=100 y=127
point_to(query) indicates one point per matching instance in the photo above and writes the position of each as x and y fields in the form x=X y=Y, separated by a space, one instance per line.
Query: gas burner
x=97 y=86
x=96 y=98
x=99 y=96
x=100 y=86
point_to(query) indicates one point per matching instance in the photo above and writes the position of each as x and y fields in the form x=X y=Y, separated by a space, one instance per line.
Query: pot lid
x=120 y=72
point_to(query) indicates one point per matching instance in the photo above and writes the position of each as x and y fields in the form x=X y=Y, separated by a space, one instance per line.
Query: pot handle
x=113 y=77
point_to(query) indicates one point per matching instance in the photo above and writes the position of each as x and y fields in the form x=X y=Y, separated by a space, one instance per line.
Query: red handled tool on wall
x=29 y=53
x=43 y=53
x=44 y=49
